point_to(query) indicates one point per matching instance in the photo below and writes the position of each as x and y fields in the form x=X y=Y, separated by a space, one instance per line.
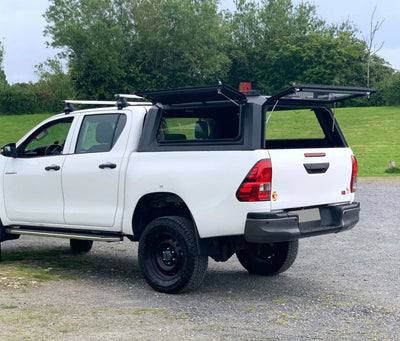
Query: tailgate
x=310 y=177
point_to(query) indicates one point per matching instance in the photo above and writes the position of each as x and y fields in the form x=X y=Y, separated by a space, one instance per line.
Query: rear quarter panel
x=206 y=181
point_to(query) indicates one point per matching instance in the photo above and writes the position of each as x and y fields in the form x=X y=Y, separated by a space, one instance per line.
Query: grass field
x=12 y=128
x=373 y=133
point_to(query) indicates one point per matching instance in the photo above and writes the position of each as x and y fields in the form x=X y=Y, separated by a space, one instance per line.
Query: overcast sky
x=22 y=24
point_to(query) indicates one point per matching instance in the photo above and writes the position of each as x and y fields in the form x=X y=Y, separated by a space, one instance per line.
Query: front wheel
x=268 y=259
x=168 y=255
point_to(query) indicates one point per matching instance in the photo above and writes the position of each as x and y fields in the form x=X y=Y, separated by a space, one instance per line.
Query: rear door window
x=99 y=133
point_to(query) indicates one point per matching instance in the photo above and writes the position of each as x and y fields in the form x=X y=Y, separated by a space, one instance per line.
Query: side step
x=65 y=234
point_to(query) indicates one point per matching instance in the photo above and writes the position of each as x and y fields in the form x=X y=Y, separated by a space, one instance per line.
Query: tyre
x=79 y=245
x=168 y=256
x=268 y=259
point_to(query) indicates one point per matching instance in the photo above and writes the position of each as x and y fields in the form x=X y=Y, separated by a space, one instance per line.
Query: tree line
x=119 y=46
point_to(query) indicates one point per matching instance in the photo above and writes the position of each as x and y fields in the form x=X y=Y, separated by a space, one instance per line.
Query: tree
x=54 y=85
x=276 y=43
x=372 y=50
x=122 y=45
x=93 y=43
x=3 y=80
x=179 y=42
x=125 y=45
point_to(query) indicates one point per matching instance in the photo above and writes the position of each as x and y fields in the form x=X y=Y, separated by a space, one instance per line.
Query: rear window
x=302 y=128
x=293 y=124
x=199 y=125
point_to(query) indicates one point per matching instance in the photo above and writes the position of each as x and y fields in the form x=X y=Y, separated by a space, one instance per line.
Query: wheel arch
x=155 y=205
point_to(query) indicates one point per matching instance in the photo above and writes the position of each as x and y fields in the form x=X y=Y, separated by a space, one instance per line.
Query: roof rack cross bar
x=69 y=107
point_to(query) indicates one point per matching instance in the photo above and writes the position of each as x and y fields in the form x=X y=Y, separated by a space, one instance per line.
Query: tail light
x=354 y=171
x=257 y=184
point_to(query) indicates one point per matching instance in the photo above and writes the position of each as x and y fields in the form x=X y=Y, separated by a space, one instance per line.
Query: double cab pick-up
x=193 y=173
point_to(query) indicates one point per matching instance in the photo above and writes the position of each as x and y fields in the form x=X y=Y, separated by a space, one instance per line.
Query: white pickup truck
x=196 y=173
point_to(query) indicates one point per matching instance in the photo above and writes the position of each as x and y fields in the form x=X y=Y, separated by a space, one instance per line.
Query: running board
x=66 y=235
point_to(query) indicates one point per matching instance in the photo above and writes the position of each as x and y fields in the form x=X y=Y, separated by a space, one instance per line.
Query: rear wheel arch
x=154 y=205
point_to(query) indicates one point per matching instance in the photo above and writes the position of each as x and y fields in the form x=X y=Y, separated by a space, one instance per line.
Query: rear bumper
x=279 y=227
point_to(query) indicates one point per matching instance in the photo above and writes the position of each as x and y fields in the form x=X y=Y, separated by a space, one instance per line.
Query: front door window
x=47 y=140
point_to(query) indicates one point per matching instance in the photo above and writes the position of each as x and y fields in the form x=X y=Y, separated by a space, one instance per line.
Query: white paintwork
x=294 y=187
x=206 y=181
x=31 y=193
x=91 y=194
x=82 y=196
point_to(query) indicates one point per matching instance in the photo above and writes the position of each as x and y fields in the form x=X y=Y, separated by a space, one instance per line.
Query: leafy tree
x=276 y=43
x=122 y=45
x=19 y=98
x=54 y=85
x=93 y=42
x=179 y=42
x=390 y=90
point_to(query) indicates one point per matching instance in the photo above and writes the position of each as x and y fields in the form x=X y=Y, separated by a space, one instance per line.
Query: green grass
x=12 y=128
x=373 y=133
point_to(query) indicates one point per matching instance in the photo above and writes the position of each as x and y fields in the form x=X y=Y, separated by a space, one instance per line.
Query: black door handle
x=53 y=167
x=316 y=168
x=108 y=165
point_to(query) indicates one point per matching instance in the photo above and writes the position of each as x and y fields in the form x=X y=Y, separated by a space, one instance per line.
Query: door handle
x=53 y=167
x=108 y=165
x=316 y=168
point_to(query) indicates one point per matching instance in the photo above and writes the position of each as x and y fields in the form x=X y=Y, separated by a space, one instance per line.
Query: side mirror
x=9 y=150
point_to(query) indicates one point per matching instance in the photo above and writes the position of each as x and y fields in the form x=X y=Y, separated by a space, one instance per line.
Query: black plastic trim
x=320 y=93
x=202 y=94
x=316 y=168
x=283 y=226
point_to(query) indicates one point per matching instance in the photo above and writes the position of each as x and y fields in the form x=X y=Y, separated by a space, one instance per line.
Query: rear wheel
x=79 y=245
x=168 y=255
x=268 y=259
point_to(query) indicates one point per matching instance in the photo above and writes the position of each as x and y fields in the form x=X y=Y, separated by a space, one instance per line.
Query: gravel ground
x=342 y=286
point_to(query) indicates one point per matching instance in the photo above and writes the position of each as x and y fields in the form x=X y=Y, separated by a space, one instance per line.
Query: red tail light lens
x=354 y=171
x=257 y=184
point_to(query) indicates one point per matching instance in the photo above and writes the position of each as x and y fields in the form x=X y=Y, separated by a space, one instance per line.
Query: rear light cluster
x=354 y=171
x=257 y=184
